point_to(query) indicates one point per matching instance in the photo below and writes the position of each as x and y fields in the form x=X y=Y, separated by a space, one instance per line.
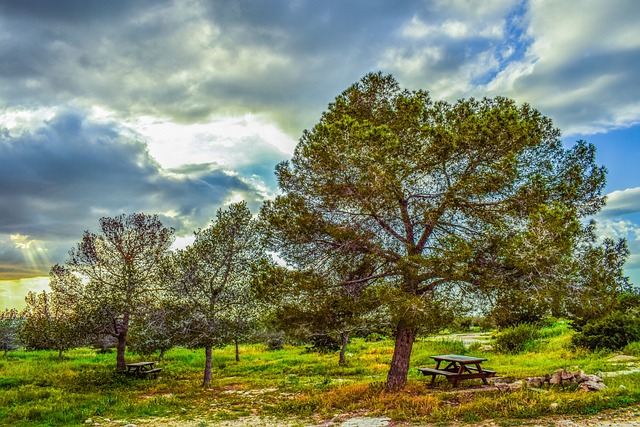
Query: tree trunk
x=122 y=345
x=122 y=341
x=207 y=366
x=345 y=341
x=237 y=351
x=161 y=355
x=59 y=353
x=397 y=377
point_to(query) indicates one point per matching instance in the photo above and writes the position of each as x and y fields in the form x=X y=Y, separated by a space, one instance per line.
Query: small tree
x=50 y=324
x=152 y=333
x=120 y=267
x=210 y=282
x=325 y=310
x=10 y=326
x=599 y=286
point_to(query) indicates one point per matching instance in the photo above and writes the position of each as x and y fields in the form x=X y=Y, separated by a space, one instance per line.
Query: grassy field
x=39 y=389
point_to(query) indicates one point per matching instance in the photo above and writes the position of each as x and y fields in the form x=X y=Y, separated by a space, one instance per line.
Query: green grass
x=39 y=389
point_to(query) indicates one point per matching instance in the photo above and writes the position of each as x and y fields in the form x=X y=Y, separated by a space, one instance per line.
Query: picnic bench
x=458 y=368
x=143 y=369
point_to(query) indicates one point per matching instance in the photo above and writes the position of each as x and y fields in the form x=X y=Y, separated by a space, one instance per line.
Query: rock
x=535 y=381
x=556 y=378
x=592 y=386
x=553 y=406
x=517 y=385
x=88 y=421
x=131 y=425
x=485 y=348
x=366 y=422
x=593 y=378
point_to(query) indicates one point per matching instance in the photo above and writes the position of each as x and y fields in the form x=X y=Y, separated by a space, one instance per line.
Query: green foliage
x=515 y=307
x=152 y=333
x=11 y=323
x=50 y=324
x=211 y=293
x=432 y=201
x=38 y=389
x=516 y=339
x=612 y=332
x=600 y=286
x=324 y=344
x=111 y=276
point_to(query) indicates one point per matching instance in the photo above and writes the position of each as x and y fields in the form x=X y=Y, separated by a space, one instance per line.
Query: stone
x=556 y=378
x=592 y=386
x=568 y=376
x=366 y=422
x=593 y=378
x=535 y=381
x=554 y=406
x=485 y=348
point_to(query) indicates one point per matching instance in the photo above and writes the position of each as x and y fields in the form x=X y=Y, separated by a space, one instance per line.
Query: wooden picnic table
x=143 y=369
x=458 y=368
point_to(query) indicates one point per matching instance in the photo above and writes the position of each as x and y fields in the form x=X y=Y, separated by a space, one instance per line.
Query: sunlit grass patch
x=40 y=389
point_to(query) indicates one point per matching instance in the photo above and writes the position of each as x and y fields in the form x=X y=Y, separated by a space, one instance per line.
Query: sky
x=179 y=107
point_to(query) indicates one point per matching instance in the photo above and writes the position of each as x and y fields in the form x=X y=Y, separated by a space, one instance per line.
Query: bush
x=323 y=344
x=612 y=332
x=274 y=340
x=517 y=338
x=514 y=308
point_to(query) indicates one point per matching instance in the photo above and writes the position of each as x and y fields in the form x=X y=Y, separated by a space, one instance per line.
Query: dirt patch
x=630 y=417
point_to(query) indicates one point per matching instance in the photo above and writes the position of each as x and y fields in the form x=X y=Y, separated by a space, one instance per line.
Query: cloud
x=197 y=100
x=189 y=61
x=580 y=65
x=622 y=202
x=620 y=219
x=63 y=176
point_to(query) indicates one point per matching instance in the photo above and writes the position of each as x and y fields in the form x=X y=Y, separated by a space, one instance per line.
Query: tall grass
x=39 y=389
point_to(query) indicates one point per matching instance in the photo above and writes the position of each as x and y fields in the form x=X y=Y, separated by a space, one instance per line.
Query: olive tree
x=11 y=322
x=113 y=276
x=435 y=194
x=51 y=324
x=210 y=283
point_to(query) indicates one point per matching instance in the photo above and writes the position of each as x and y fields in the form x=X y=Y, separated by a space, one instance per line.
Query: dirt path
x=629 y=417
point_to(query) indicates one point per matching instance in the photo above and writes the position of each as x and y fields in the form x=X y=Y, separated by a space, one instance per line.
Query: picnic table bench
x=458 y=368
x=143 y=369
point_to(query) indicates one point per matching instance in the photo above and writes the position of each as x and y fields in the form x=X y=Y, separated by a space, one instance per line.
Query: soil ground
x=629 y=417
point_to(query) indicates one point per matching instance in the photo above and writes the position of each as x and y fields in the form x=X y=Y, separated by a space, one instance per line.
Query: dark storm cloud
x=73 y=11
x=190 y=59
x=61 y=178
x=286 y=59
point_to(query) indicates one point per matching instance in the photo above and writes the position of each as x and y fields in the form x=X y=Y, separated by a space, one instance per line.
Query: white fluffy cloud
x=579 y=67
x=178 y=106
x=620 y=219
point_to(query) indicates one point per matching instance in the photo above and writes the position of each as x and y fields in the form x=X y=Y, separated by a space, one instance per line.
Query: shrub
x=323 y=344
x=517 y=338
x=612 y=332
x=516 y=307
x=274 y=340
